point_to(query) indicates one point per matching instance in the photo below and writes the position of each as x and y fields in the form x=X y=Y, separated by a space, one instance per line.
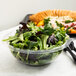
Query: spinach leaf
x=44 y=41
x=39 y=43
x=48 y=29
x=69 y=21
x=27 y=34
x=46 y=21
x=59 y=24
x=21 y=37
x=33 y=45
x=33 y=27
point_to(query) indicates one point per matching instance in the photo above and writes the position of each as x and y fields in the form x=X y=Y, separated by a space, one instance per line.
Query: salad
x=37 y=36
x=66 y=22
x=65 y=18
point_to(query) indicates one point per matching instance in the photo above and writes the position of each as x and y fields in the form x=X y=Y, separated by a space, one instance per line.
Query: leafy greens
x=31 y=37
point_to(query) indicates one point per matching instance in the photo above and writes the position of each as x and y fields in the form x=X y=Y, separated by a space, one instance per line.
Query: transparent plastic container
x=40 y=57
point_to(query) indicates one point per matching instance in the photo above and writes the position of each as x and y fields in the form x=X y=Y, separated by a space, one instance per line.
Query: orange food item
x=72 y=31
x=41 y=23
x=35 y=23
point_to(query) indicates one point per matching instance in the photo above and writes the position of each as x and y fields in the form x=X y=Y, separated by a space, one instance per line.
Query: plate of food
x=41 y=38
x=58 y=18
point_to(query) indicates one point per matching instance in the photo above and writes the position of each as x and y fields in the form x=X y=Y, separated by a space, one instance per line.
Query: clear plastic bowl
x=40 y=57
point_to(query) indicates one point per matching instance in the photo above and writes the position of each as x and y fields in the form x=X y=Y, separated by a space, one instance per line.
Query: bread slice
x=41 y=15
x=73 y=15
